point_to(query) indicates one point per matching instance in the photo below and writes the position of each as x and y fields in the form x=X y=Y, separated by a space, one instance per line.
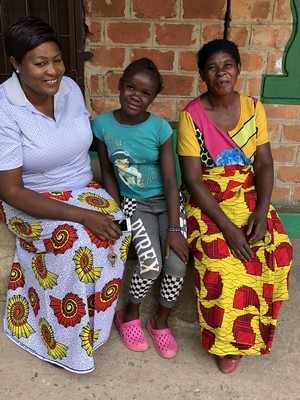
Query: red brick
x=181 y=105
x=280 y=194
x=284 y=154
x=240 y=35
x=292 y=133
x=95 y=32
x=282 y=112
x=162 y=108
x=282 y=11
x=188 y=61
x=178 y=85
x=275 y=63
x=251 y=10
x=289 y=173
x=108 y=57
x=129 y=32
x=164 y=60
x=112 y=82
x=240 y=84
x=297 y=194
x=104 y=105
x=253 y=87
x=204 y=9
x=154 y=9
x=174 y=34
x=274 y=132
x=112 y=8
x=273 y=37
x=95 y=84
x=253 y=61
x=212 y=31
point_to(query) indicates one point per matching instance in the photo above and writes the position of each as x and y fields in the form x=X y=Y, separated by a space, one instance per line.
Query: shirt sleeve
x=11 y=154
x=97 y=129
x=261 y=124
x=165 y=132
x=187 y=142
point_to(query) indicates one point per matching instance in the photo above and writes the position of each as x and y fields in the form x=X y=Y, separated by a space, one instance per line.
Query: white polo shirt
x=53 y=153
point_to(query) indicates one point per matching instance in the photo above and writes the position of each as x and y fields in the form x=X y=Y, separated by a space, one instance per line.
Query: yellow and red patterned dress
x=237 y=302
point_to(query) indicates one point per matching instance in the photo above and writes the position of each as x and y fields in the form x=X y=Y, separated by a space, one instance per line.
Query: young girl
x=150 y=197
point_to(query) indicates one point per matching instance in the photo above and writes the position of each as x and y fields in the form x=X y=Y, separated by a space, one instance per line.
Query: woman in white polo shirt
x=70 y=255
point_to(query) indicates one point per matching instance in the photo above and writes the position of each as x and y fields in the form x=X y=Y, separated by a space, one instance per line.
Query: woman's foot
x=228 y=363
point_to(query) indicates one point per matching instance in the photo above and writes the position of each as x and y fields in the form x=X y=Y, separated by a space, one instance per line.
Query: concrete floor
x=124 y=375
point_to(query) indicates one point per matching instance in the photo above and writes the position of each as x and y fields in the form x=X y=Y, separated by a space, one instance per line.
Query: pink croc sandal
x=163 y=340
x=131 y=333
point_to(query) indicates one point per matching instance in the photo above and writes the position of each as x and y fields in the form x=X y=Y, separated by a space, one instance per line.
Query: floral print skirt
x=63 y=285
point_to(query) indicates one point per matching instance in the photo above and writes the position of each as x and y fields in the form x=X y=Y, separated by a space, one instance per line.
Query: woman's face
x=220 y=73
x=41 y=71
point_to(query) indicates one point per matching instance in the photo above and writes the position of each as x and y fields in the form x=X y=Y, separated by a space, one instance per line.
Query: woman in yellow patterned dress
x=70 y=255
x=242 y=254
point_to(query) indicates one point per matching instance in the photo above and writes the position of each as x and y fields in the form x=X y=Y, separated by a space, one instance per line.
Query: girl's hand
x=101 y=225
x=177 y=242
x=236 y=240
x=256 y=227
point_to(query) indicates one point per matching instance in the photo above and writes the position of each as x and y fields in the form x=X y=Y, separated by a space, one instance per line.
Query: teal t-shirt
x=134 y=152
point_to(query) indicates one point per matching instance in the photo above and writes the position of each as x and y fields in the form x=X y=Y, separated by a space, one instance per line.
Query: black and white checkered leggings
x=149 y=220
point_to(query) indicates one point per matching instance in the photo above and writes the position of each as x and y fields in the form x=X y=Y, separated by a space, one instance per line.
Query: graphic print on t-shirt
x=127 y=173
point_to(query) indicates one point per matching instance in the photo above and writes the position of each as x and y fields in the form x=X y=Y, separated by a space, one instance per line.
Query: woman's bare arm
x=13 y=192
x=192 y=176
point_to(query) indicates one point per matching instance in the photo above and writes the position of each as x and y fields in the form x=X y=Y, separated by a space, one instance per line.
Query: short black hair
x=217 y=46
x=25 y=34
x=145 y=64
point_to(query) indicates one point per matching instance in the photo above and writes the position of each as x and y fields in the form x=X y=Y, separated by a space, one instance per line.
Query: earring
x=17 y=71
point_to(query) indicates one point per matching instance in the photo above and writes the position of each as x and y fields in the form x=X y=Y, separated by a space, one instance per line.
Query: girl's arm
x=192 y=176
x=107 y=172
x=13 y=192
x=175 y=240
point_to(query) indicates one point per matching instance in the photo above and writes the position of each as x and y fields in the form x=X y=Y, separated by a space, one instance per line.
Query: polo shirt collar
x=16 y=95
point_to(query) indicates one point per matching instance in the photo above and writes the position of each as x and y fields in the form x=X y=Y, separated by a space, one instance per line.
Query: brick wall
x=171 y=32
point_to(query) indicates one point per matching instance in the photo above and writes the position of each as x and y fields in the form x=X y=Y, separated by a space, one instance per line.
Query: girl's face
x=220 y=73
x=41 y=71
x=137 y=89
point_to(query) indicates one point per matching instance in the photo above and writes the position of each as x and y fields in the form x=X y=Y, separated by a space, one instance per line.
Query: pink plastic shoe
x=163 y=340
x=131 y=333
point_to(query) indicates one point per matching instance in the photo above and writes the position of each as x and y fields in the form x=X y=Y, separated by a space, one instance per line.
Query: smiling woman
x=70 y=255
x=242 y=255
x=40 y=73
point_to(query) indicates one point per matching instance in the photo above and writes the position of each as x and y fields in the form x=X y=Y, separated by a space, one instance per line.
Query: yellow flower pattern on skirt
x=63 y=289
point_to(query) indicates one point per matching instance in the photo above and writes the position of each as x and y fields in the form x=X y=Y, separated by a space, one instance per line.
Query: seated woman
x=69 y=259
x=242 y=254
